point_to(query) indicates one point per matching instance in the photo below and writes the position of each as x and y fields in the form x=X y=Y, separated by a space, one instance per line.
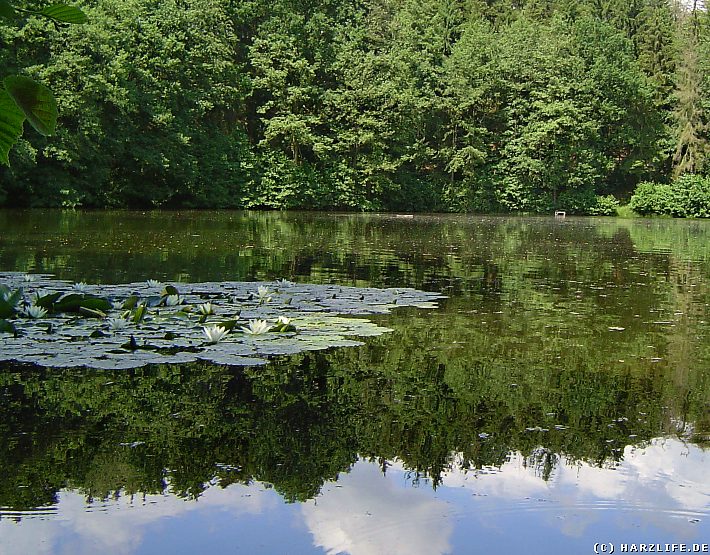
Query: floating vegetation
x=215 y=334
x=56 y=323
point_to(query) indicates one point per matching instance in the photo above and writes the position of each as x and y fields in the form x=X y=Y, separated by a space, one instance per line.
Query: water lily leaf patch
x=55 y=323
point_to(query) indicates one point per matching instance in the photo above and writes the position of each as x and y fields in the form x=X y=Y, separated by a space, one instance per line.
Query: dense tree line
x=452 y=105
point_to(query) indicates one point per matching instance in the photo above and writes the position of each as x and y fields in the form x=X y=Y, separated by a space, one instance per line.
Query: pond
x=556 y=400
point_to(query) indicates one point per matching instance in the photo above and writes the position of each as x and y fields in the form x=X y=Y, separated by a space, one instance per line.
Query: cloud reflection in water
x=658 y=493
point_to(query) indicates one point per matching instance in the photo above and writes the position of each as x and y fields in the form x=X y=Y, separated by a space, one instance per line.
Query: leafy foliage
x=11 y=120
x=23 y=97
x=408 y=106
x=688 y=196
x=35 y=100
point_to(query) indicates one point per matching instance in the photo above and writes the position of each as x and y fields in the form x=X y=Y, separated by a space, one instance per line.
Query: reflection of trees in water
x=430 y=252
x=299 y=422
x=520 y=358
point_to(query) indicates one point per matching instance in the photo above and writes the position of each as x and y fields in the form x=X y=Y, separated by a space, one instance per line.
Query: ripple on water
x=659 y=482
x=46 y=512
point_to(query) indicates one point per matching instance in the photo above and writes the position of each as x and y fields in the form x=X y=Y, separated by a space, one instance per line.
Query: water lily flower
x=29 y=277
x=284 y=283
x=256 y=327
x=215 y=334
x=205 y=309
x=173 y=300
x=80 y=287
x=283 y=324
x=34 y=311
x=116 y=324
x=263 y=294
x=153 y=283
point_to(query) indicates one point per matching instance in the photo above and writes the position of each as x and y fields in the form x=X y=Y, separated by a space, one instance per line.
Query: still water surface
x=558 y=397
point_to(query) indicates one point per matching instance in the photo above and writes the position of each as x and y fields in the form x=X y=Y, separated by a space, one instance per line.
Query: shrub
x=688 y=196
x=606 y=205
x=651 y=198
x=697 y=195
x=585 y=201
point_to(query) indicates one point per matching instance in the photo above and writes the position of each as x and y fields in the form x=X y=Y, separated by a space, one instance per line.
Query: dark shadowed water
x=559 y=397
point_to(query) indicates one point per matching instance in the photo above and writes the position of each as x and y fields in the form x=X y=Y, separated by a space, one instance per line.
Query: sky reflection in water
x=597 y=321
x=655 y=495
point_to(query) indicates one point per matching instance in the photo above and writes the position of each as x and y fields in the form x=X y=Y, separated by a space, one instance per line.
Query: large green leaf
x=6 y=309
x=69 y=303
x=96 y=303
x=6 y=9
x=9 y=302
x=15 y=297
x=7 y=327
x=131 y=302
x=47 y=301
x=11 y=120
x=74 y=302
x=140 y=314
x=64 y=13
x=169 y=290
x=228 y=324
x=35 y=100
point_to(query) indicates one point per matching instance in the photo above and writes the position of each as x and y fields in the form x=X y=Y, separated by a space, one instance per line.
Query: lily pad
x=319 y=317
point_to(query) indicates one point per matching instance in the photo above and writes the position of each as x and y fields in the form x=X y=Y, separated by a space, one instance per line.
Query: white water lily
x=283 y=321
x=284 y=283
x=215 y=334
x=117 y=324
x=173 y=300
x=264 y=294
x=256 y=327
x=80 y=287
x=205 y=309
x=29 y=278
x=153 y=283
x=34 y=311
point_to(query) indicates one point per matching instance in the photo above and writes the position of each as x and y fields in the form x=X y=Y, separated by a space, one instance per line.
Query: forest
x=374 y=105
